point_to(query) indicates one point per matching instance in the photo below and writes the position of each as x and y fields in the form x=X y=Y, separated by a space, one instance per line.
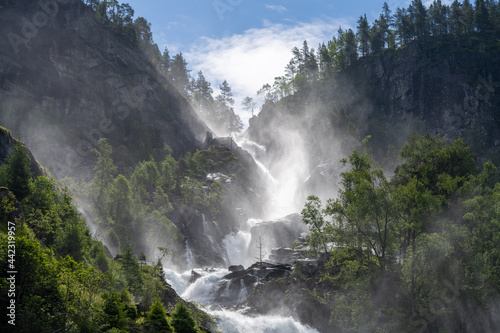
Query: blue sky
x=248 y=42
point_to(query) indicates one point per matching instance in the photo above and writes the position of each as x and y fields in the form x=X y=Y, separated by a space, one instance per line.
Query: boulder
x=236 y=268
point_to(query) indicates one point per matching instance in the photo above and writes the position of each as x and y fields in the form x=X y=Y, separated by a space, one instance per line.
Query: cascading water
x=189 y=255
x=236 y=246
x=288 y=175
x=235 y=322
x=210 y=284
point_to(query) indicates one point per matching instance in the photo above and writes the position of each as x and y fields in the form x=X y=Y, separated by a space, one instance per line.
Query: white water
x=234 y=322
x=284 y=177
x=203 y=290
x=189 y=255
x=236 y=246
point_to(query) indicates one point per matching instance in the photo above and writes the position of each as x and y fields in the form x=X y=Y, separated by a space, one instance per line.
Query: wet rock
x=194 y=276
x=236 y=268
x=237 y=285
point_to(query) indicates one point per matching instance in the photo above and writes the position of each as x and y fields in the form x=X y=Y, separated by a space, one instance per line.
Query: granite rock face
x=68 y=82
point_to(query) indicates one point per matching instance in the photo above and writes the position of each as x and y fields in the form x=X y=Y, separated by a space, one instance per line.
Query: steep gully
x=223 y=291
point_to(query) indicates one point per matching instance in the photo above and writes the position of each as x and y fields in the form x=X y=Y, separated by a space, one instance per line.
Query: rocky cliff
x=68 y=79
x=8 y=143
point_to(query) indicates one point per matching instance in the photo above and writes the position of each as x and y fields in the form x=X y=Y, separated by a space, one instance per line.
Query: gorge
x=362 y=197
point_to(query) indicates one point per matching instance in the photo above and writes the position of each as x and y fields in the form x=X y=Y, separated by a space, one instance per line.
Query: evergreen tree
x=468 y=16
x=165 y=61
x=182 y=321
x=419 y=19
x=16 y=174
x=120 y=207
x=179 y=74
x=157 y=317
x=103 y=173
x=456 y=20
x=227 y=120
x=481 y=16
x=403 y=26
x=325 y=62
x=124 y=15
x=131 y=268
x=377 y=37
x=350 y=47
x=363 y=34
x=438 y=18
x=201 y=92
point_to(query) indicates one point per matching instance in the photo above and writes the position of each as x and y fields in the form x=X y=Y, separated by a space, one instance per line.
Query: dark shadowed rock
x=78 y=80
x=236 y=268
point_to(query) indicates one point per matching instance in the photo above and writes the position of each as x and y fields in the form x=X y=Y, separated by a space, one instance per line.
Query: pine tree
x=403 y=26
x=363 y=35
x=165 y=61
x=131 y=268
x=179 y=74
x=418 y=15
x=103 y=172
x=468 y=16
x=157 y=317
x=182 y=321
x=350 y=47
x=456 y=18
x=201 y=92
x=481 y=16
x=15 y=174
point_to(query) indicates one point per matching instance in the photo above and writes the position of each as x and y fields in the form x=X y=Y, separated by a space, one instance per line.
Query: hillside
x=71 y=79
x=440 y=85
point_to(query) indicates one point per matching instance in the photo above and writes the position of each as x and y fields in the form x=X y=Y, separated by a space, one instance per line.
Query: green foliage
x=39 y=301
x=15 y=173
x=431 y=234
x=80 y=289
x=114 y=314
x=349 y=267
x=320 y=230
x=157 y=318
x=103 y=174
x=182 y=320
x=131 y=268
x=353 y=311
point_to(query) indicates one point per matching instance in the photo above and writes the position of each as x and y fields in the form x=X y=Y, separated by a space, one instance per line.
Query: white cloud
x=278 y=8
x=256 y=56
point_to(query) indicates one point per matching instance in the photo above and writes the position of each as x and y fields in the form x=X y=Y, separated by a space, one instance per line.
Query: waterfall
x=235 y=322
x=189 y=255
x=237 y=247
x=283 y=177
x=203 y=289
x=243 y=292
x=210 y=283
x=206 y=231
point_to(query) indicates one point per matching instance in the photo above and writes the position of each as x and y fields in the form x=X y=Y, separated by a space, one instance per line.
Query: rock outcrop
x=8 y=143
x=72 y=79
x=281 y=233
x=234 y=287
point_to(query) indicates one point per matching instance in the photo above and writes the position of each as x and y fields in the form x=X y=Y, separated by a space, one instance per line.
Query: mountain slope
x=67 y=79
x=440 y=85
